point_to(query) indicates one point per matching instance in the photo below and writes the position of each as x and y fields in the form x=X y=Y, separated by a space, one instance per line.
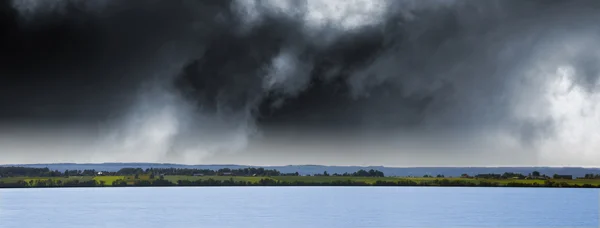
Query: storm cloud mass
x=405 y=83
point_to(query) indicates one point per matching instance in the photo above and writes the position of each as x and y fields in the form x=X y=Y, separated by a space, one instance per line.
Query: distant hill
x=312 y=169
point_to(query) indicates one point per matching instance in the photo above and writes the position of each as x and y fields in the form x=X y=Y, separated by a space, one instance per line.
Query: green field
x=327 y=179
x=371 y=180
x=477 y=181
x=108 y=180
x=317 y=179
x=63 y=179
x=174 y=179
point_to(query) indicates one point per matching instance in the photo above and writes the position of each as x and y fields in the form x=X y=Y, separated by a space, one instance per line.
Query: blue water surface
x=290 y=207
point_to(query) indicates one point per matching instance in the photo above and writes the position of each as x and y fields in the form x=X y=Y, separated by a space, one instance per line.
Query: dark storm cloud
x=69 y=59
x=447 y=66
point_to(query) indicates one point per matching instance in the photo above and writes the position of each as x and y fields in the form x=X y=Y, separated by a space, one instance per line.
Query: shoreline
x=285 y=181
x=306 y=186
x=25 y=177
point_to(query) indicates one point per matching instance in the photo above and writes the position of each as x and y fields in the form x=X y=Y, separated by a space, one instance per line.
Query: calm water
x=291 y=207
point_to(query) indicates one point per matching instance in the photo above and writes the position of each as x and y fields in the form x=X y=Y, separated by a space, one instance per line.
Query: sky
x=276 y=82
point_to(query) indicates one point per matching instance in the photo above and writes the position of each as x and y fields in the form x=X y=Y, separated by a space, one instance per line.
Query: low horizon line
x=181 y=164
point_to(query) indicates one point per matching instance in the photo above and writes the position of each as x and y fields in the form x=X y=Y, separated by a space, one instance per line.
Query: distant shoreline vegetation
x=25 y=177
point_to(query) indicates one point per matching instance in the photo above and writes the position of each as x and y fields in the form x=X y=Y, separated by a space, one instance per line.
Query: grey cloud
x=223 y=70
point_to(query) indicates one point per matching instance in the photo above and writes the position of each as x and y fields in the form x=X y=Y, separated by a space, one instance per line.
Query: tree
x=152 y=176
x=119 y=182
x=535 y=173
x=136 y=176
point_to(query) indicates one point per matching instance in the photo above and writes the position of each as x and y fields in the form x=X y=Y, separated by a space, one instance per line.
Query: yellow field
x=108 y=180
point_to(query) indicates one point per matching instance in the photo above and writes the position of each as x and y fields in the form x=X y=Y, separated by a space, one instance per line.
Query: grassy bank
x=181 y=180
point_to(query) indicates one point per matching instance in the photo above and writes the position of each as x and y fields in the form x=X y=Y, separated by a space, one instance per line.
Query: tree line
x=359 y=173
x=28 y=172
x=591 y=176
x=45 y=172
x=274 y=182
